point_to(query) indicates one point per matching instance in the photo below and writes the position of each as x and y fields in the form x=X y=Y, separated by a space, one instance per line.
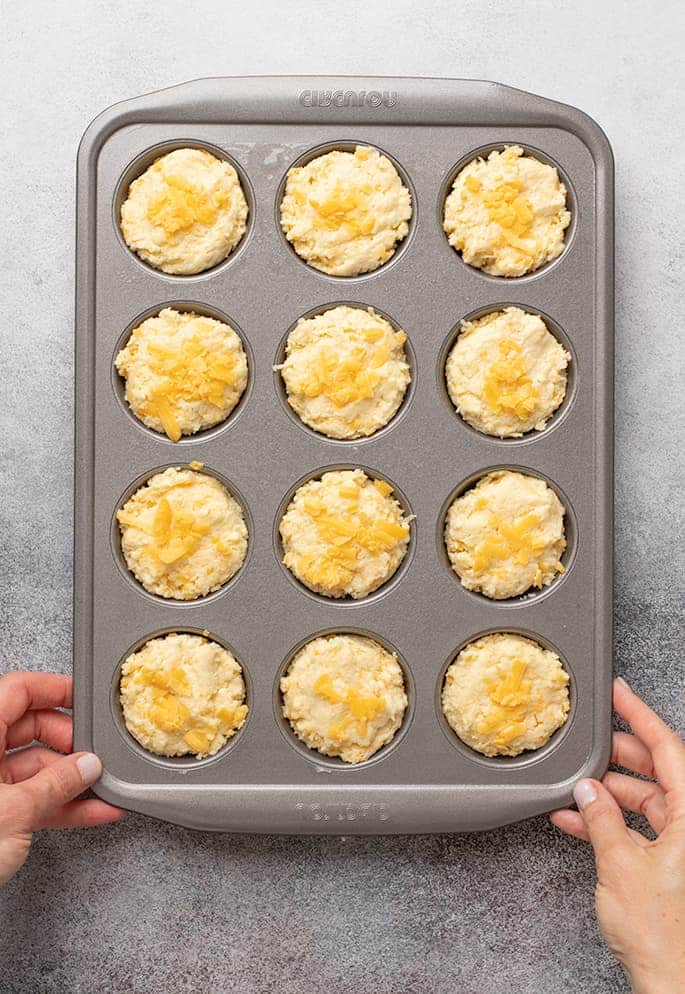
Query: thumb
x=59 y=783
x=603 y=818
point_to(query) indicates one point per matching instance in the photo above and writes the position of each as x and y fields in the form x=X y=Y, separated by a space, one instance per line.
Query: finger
x=627 y=751
x=21 y=692
x=570 y=822
x=53 y=728
x=573 y=823
x=666 y=747
x=83 y=814
x=25 y=763
x=57 y=784
x=607 y=831
x=643 y=798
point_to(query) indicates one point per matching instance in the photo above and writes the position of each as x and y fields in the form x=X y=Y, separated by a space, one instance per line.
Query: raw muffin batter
x=345 y=212
x=506 y=535
x=344 y=534
x=181 y=695
x=345 y=371
x=506 y=373
x=184 y=372
x=507 y=214
x=182 y=534
x=186 y=212
x=504 y=694
x=344 y=696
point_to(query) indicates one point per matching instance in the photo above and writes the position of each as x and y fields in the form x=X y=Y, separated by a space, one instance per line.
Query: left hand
x=39 y=787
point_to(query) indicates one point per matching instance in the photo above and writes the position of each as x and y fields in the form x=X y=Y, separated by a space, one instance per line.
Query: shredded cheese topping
x=345 y=371
x=507 y=214
x=344 y=695
x=358 y=708
x=517 y=539
x=349 y=208
x=342 y=531
x=183 y=535
x=507 y=385
x=350 y=379
x=512 y=700
x=506 y=534
x=505 y=693
x=181 y=203
x=513 y=212
x=181 y=694
x=183 y=371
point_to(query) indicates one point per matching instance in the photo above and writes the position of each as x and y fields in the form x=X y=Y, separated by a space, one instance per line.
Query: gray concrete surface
x=147 y=907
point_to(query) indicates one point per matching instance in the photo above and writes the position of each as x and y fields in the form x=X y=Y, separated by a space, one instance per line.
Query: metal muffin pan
x=265 y=780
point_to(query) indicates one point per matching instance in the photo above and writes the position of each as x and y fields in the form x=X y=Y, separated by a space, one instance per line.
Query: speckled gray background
x=147 y=907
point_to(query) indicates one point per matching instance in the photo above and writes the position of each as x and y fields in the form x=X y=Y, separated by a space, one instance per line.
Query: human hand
x=38 y=787
x=640 y=892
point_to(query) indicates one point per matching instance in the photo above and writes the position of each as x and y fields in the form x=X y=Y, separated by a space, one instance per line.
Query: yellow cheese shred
x=512 y=702
x=181 y=537
x=180 y=204
x=344 y=208
x=345 y=538
x=187 y=370
x=509 y=539
x=167 y=712
x=383 y=488
x=360 y=709
x=172 y=680
x=347 y=379
x=199 y=739
x=165 y=412
x=507 y=386
x=171 y=715
x=509 y=209
x=175 y=531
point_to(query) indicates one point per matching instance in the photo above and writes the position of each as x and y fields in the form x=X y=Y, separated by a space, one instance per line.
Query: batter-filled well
x=344 y=213
x=344 y=696
x=505 y=694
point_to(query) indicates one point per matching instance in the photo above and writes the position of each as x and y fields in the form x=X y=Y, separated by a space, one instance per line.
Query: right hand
x=640 y=892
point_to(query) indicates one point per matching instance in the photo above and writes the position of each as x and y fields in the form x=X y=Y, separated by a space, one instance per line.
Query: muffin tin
x=425 y=780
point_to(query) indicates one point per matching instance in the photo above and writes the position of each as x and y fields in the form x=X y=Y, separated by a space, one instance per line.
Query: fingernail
x=584 y=793
x=90 y=767
x=619 y=679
